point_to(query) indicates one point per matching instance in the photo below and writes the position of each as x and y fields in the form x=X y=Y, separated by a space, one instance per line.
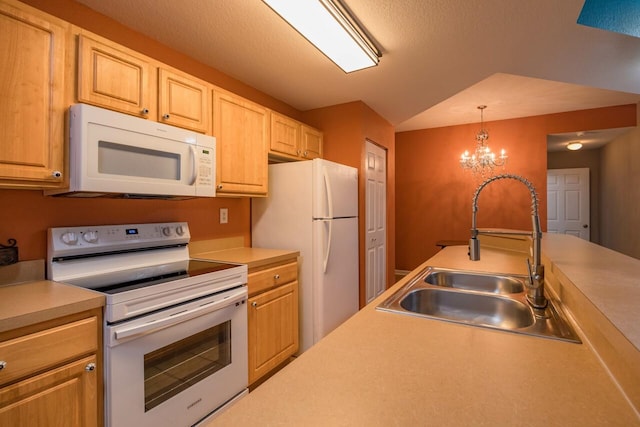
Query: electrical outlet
x=224 y=215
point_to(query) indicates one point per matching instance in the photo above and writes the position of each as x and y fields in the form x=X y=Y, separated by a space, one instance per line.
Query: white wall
x=620 y=193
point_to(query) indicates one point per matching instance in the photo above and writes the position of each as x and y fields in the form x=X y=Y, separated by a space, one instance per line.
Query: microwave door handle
x=165 y=322
x=194 y=165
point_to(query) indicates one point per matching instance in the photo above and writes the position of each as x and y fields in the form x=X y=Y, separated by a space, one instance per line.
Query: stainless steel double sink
x=487 y=300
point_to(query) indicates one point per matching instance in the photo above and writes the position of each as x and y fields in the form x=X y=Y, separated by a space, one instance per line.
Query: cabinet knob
x=144 y=111
x=2 y=364
x=166 y=116
x=220 y=187
x=56 y=174
x=90 y=367
x=305 y=154
x=277 y=276
x=254 y=304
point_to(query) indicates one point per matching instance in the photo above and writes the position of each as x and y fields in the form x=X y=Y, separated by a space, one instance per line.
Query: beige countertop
x=386 y=369
x=34 y=302
x=252 y=257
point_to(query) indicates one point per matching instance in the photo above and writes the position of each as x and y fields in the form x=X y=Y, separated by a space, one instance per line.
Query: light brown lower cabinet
x=272 y=319
x=52 y=376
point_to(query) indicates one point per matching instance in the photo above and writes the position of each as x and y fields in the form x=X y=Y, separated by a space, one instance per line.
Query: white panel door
x=568 y=202
x=376 y=219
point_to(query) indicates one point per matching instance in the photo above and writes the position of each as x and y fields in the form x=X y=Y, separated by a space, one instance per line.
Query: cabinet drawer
x=44 y=349
x=272 y=277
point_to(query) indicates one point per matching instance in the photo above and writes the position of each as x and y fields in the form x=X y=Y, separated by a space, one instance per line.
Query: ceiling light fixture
x=574 y=146
x=482 y=161
x=330 y=28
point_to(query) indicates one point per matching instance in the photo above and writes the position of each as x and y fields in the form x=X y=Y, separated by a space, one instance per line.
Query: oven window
x=176 y=367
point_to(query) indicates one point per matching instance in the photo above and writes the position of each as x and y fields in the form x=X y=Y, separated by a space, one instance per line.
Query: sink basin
x=478 y=299
x=497 y=284
x=477 y=309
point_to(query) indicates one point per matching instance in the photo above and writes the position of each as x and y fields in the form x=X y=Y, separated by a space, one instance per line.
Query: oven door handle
x=164 y=322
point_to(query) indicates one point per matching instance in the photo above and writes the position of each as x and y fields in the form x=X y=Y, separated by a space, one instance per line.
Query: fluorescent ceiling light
x=329 y=28
x=574 y=146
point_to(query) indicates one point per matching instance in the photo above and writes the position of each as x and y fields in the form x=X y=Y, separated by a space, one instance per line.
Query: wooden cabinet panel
x=34 y=352
x=114 y=77
x=184 y=101
x=32 y=107
x=52 y=374
x=292 y=140
x=272 y=277
x=311 y=142
x=285 y=135
x=64 y=397
x=273 y=329
x=241 y=129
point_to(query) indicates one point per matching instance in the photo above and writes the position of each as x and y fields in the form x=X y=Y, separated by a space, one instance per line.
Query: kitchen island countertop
x=386 y=369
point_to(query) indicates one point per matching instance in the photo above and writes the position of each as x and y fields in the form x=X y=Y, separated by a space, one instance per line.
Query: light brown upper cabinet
x=33 y=49
x=115 y=77
x=184 y=101
x=311 y=142
x=292 y=140
x=241 y=128
x=118 y=78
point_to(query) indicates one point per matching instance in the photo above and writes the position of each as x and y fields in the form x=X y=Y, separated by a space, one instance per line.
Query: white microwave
x=116 y=155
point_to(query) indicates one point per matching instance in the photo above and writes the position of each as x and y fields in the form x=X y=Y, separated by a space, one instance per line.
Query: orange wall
x=346 y=127
x=26 y=215
x=433 y=199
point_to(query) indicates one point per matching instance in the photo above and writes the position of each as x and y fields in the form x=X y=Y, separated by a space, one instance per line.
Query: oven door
x=176 y=366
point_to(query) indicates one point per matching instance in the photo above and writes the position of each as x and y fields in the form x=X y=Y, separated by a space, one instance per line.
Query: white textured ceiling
x=441 y=58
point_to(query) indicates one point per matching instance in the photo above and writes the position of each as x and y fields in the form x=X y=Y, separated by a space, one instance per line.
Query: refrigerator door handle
x=327 y=185
x=328 y=250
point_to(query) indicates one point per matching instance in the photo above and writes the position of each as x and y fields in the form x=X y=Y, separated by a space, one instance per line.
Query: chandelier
x=482 y=161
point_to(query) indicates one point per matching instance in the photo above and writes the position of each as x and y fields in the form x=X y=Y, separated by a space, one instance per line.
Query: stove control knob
x=69 y=238
x=179 y=230
x=166 y=231
x=90 y=237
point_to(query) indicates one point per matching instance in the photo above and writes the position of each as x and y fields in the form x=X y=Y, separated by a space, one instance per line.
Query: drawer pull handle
x=90 y=367
x=3 y=364
x=277 y=276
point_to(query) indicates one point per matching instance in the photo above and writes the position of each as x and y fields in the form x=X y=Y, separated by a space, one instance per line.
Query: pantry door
x=568 y=202
x=376 y=220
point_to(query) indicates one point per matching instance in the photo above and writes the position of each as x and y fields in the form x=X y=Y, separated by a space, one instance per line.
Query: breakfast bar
x=382 y=369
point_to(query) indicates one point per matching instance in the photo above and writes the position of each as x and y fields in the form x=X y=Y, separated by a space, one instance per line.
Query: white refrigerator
x=313 y=208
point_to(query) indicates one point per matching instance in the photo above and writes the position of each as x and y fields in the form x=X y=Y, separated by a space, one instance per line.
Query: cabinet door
x=64 y=397
x=114 y=77
x=273 y=329
x=311 y=142
x=285 y=135
x=32 y=54
x=241 y=129
x=184 y=101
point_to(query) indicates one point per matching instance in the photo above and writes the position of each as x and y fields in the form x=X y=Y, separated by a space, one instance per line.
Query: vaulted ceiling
x=441 y=58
